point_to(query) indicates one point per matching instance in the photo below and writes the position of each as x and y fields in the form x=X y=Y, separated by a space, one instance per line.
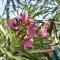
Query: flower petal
x=31 y=29
x=43 y=31
x=10 y=22
x=27 y=42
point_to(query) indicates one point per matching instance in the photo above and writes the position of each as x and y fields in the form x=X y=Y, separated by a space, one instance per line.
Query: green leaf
x=58 y=1
x=36 y=14
x=12 y=56
x=25 y=6
x=38 y=51
x=14 y=7
x=46 y=2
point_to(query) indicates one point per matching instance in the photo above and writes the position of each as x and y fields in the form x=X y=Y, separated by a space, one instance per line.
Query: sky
x=2 y=5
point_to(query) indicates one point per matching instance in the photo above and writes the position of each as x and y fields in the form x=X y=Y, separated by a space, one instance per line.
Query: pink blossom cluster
x=30 y=29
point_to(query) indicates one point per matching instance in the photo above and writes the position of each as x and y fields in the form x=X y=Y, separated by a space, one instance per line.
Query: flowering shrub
x=21 y=38
x=29 y=29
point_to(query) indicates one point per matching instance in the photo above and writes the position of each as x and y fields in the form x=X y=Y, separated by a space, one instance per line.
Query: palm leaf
x=12 y=56
x=39 y=51
x=14 y=7
x=46 y=2
x=58 y=1
x=37 y=14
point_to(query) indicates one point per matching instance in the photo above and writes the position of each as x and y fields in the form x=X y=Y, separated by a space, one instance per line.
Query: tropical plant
x=10 y=41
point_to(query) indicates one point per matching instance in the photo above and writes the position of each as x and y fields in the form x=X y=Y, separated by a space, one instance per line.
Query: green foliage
x=58 y=1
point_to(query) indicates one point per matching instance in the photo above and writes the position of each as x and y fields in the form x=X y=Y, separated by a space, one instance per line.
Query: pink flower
x=27 y=42
x=31 y=24
x=31 y=29
x=31 y=32
x=25 y=18
x=10 y=22
x=15 y=27
x=43 y=32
